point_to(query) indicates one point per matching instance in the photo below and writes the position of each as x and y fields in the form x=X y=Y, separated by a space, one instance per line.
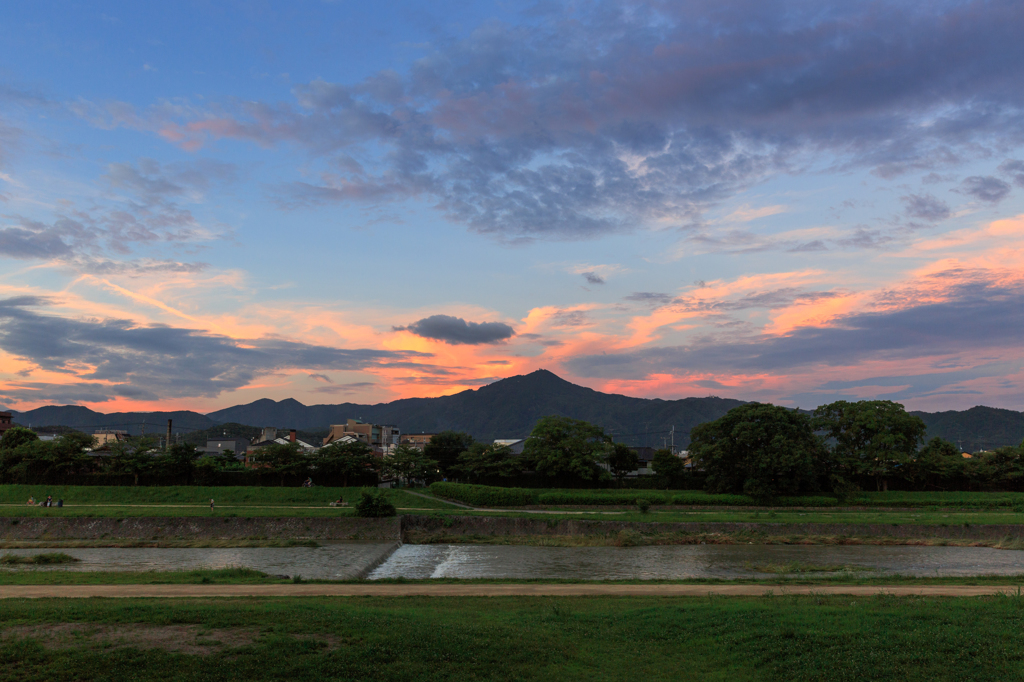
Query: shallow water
x=344 y=561
x=686 y=561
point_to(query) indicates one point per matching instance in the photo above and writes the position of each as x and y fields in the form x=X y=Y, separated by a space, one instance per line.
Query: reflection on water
x=684 y=561
x=343 y=561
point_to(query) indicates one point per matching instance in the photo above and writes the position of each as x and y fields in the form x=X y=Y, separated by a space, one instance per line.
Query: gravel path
x=494 y=590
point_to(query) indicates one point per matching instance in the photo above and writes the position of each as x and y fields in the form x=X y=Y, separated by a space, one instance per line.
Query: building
x=217 y=446
x=6 y=422
x=417 y=440
x=383 y=438
x=516 y=445
x=108 y=437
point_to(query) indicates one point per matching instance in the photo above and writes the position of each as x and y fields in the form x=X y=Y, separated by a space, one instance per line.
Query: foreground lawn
x=594 y=638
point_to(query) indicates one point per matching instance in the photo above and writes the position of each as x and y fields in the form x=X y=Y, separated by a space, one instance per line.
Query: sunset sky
x=207 y=203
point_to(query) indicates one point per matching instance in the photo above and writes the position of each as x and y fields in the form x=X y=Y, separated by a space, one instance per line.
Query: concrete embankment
x=465 y=528
x=426 y=528
x=347 y=529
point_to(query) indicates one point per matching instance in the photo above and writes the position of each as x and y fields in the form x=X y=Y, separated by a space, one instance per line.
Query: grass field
x=594 y=638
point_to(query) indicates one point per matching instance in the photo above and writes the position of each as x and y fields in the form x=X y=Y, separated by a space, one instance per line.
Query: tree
x=374 y=504
x=876 y=438
x=568 y=449
x=759 y=449
x=621 y=460
x=410 y=464
x=15 y=436
x=936 y=462
x=348 y=460
x=485 y=461
x=284 y=459
x=668 y=467
x=445 y=448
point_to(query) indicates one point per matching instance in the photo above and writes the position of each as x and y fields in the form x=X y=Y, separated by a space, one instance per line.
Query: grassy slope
x=776 y=638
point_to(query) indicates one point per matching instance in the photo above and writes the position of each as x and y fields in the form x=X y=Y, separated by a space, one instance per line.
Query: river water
x=345 y=561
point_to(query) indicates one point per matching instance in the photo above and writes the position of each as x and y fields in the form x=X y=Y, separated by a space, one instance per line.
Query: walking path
x=492 y=590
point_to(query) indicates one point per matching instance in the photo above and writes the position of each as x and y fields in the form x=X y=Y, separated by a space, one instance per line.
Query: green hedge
x=589 y=498
x=485 y=496
x=939 y=499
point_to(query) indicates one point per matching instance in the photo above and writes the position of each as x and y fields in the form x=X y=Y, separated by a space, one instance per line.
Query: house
x=106 y=438
x=417 y=440
x=269 y=437
x=383 y=438
x=6 y=422
x=217 y=446
x=514 y=444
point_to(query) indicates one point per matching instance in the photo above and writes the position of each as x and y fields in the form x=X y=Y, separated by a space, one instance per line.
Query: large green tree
x=354 y=460
x=410 y=464
x=488 y=461
x=15 y=436
x=622 y=459
x=668 y=467
x=445 y=448
x=874 y=438
x=568 y=449
x=761 y=450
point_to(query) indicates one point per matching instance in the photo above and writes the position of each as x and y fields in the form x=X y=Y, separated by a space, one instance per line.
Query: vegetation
x=487 y=462
x=763 y=451
x=445 y=449
x=375 y=503
x=522 y=638
x=485 y=496
x=409 y=464
x=45 y=559
x=567 y=449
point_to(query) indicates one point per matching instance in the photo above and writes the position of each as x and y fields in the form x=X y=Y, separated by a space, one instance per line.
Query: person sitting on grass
x=31 y=501
x=49 y=501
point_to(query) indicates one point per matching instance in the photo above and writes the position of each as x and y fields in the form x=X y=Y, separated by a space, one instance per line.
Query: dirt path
x=494 y=590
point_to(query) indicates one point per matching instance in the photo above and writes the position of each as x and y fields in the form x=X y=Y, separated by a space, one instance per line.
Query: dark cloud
x=925 y=207
x=154 y=361
x=990 y=189
x=593 y=278
x=605 y=117
x=353 y=387
x=570 y=318
x=977 y=316
x=1014 y=168
x=456 y=331
x=321 y=377
x=776 y=298
x=649 y=297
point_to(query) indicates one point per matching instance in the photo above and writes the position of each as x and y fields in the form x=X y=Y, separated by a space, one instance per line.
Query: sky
x=207 y=203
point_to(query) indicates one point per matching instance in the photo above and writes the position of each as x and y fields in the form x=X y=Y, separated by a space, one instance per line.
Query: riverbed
x=667 y=562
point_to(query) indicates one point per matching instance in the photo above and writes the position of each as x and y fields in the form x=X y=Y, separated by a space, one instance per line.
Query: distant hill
x=134 y=422
x=509 y=409
x=979 y=428
x=505 y=409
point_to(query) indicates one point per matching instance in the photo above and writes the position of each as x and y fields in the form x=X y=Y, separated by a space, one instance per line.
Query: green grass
x=248 y=499
x=595 y=638
x=222 y=576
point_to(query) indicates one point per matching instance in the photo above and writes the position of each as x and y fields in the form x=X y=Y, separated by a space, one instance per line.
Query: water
x=345 y=561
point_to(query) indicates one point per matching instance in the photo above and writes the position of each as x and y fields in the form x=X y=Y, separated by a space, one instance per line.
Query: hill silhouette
x=509 y=409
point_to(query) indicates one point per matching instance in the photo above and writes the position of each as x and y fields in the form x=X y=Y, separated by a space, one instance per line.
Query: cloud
x=975 y=316
x=650 y=297
x=120 y=358
x=925 y=207
x=456 y=331
x=1014 y=168
x=592 y=278
x=990 y=189
x=321 y=377
x=610 y=118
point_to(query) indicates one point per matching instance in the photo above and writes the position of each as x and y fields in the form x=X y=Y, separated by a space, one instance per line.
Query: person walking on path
x=211 y=504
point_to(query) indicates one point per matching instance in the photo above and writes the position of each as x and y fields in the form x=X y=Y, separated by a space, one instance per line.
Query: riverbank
x=768 y=637
x=477 y=529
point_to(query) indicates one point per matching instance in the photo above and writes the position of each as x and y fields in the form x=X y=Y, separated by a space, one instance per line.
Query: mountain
x=979 y=428
x=508 y=409
x=505 y=409
x=133 y=422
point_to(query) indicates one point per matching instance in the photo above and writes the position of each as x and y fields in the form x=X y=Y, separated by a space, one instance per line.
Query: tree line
x=761 y=450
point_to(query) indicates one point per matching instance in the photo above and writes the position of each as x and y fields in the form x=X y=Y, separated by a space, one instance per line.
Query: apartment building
x=383 y=438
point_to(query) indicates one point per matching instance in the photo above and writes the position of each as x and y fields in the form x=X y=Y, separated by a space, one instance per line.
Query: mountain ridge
x=508 y=409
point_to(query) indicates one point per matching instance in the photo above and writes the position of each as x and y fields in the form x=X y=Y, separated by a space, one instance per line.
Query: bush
x=485 y=496
x=375 y=504
x=643 y=504
x=586 y=498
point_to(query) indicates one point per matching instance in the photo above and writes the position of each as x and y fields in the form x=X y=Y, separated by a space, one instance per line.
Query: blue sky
x=203 y=204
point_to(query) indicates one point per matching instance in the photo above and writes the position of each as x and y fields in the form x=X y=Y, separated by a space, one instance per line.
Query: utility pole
x=672 y=434
x=168 y=444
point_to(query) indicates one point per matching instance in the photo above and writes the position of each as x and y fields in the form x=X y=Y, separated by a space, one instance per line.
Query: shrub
x=643 y=504
x=587 y=498
x=485 y=496
x=375 y=504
